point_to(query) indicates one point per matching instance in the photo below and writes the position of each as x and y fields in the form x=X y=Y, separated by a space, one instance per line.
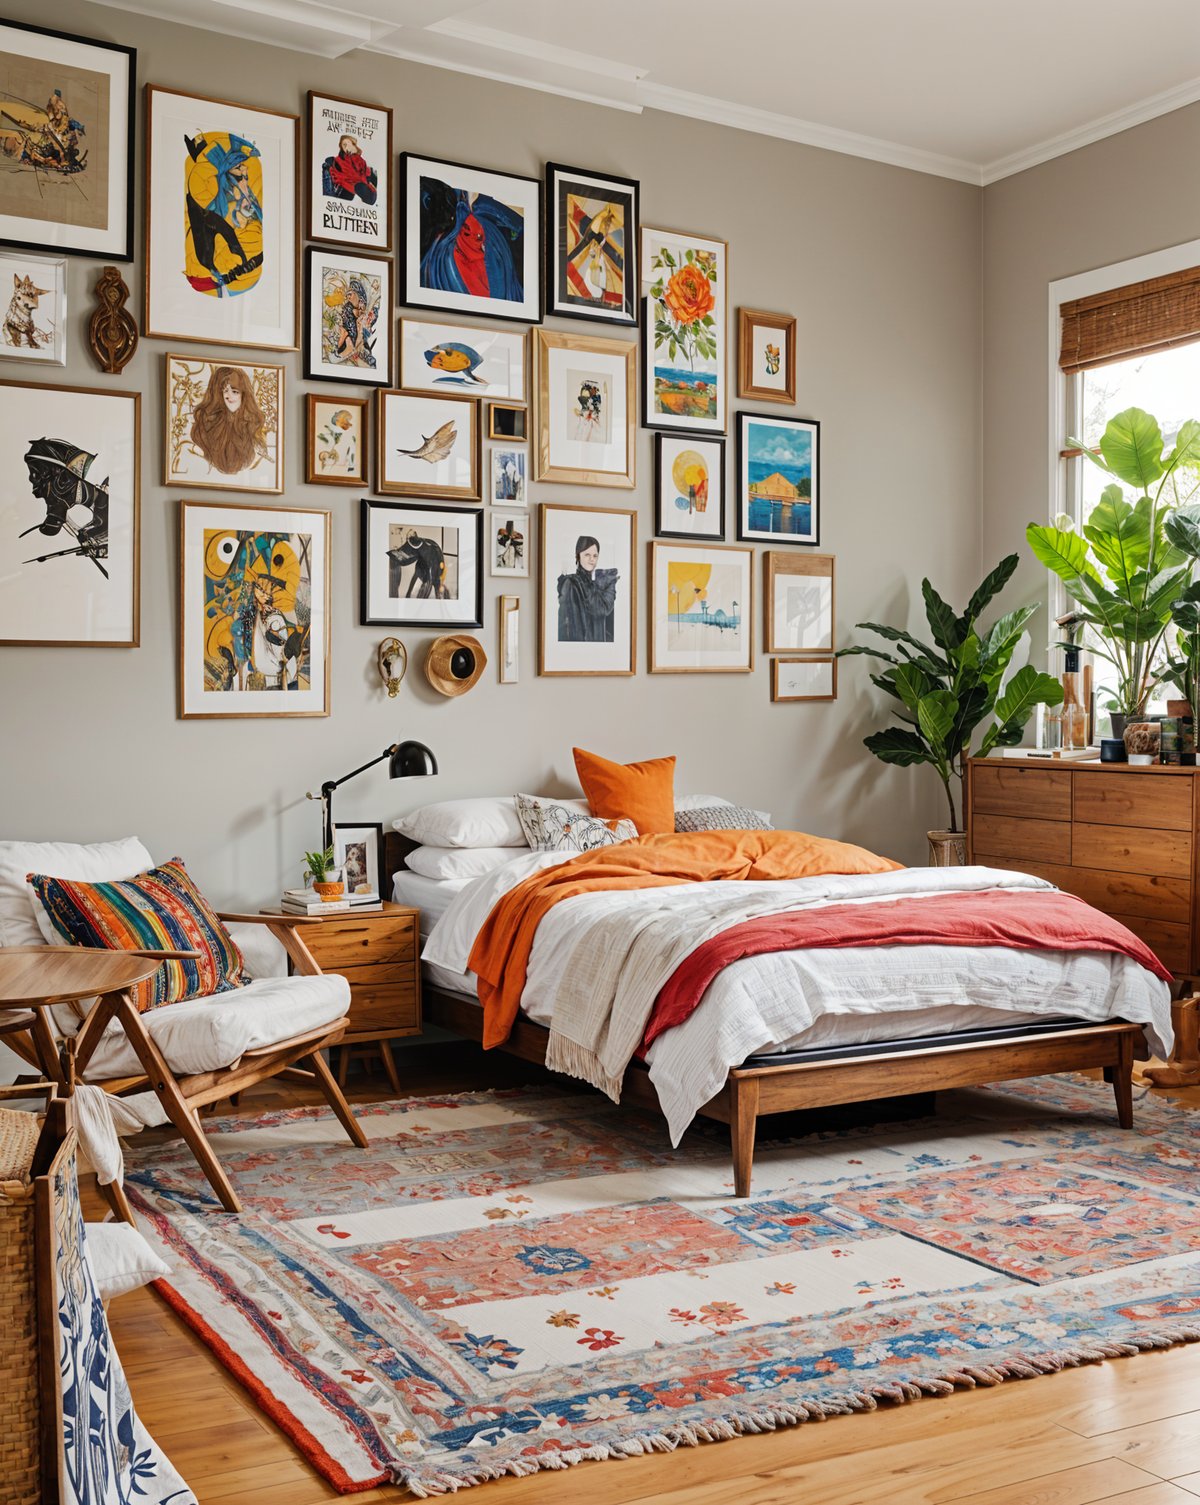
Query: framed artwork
x=34 y=329
x=422 y=566
x=701 y=608
x=254 y=611
x=685 y=360
x=222 y=256
x=509 y=657
x=591 y=245
x=470 y=240
x=508 y=534
x=509 y=484
x=585 y=409
x=69 y=516
x=507 y=420
x=799 y=602
x=463 y=358
x=349 y=173
x=335 y=443
x=766 y=355
x=427 y=446
x=804 y=679
x=779 y=475
x=358 y=851
x=347 y=319
x=689 y=486
x=66 y=143
x=587 y=586
x=224 y=425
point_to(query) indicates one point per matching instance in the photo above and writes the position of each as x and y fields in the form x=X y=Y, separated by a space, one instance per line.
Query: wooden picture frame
x=391 y=543
x=773 y=505
x=586 y=409
x=508 y=641
x=92 y=596
x=371 y=217
x=575 y=199
x=685 y=331
x=508 y=420
x=564 y=653
x=220 y=558
x=799 y=679
x=759 y=376
x=180 y=296
x=701 y=608
x=338 y=470
x=431 y=419
x=476 y=361
x=340 y=285
x=195 y=447
x=48 y=63
x=800 y=623
x=695 y=462
x=369 y=835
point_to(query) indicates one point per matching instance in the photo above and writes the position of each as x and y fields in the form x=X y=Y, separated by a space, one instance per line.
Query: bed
x=739 y=1056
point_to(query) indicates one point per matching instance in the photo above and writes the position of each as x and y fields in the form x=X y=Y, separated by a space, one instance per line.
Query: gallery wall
x=881 y=267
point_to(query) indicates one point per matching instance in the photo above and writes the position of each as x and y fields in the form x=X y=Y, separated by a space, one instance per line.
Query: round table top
x=61 y=974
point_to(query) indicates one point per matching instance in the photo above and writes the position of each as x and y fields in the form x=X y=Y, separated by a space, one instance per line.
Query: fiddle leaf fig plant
x=946 y=690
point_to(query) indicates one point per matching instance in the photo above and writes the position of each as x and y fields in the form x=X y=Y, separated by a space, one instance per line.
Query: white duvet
x=795 y=999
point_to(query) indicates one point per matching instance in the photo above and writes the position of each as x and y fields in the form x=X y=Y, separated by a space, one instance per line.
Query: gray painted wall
x=881 y=266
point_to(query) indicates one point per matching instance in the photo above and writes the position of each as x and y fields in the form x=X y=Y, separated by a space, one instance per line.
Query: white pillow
x=458 y=862
x=490 y=822
x=120 y=1258
x=23 y=922
x=698 y=802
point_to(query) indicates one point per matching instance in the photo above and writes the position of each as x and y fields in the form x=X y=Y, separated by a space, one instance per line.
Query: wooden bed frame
x=759 y=1088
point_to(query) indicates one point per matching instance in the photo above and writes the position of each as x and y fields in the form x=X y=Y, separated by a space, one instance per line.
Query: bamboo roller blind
x=1132 y=320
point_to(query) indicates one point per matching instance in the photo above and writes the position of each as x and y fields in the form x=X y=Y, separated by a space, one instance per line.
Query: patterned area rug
x=510 y=1281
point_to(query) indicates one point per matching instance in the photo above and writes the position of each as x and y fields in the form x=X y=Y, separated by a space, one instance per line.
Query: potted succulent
x=1124 y=568
x=944 y=691
x=325 y=874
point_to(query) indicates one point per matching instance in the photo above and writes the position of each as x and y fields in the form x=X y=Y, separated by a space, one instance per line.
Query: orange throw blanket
x=500 y=955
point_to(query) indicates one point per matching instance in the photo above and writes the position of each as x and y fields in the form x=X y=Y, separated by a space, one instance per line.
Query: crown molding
x=295 y=24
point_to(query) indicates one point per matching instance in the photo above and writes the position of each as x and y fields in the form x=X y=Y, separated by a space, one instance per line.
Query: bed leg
x=742 y=1123
x=1122 y=1081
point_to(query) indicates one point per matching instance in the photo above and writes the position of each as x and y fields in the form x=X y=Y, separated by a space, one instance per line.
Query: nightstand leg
x=389 y=1064
x=1183 y=1069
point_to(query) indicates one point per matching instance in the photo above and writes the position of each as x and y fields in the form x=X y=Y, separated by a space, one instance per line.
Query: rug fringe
x=900 y=1392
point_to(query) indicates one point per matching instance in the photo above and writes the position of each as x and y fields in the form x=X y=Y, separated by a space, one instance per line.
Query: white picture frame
x=33 y=293
x=508 y=475
x=508 y=542
x=685 y=331
x=469 y=359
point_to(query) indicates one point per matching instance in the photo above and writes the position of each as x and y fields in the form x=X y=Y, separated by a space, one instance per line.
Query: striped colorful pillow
x=161 y=910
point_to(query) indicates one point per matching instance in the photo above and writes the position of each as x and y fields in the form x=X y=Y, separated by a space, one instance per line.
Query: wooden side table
x=377 y=951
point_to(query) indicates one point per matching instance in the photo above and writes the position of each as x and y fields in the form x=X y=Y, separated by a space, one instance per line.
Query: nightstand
x=377 y=951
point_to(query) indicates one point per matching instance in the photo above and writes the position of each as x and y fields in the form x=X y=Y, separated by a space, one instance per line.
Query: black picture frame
x=123 y=251
x=744 y=532
x=376 y=827
x=310 y=338
x=557 y=294
x=408 y=278
x=370 y=505
x=716 y=441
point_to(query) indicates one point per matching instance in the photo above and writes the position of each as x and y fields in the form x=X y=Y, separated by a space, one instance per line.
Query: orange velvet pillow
x=641 y=792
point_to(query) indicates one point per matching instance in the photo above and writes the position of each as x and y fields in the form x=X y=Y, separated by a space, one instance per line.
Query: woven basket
x=20 y=1409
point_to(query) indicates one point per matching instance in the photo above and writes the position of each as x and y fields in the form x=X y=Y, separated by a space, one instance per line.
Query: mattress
x=432 y=896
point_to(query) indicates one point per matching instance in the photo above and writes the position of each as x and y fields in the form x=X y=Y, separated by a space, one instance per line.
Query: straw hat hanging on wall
x=454 y=663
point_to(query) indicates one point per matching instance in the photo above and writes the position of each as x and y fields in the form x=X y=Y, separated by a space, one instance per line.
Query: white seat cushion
x=206 y=1034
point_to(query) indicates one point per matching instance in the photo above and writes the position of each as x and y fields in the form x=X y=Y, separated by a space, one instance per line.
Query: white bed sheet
x=432 y=896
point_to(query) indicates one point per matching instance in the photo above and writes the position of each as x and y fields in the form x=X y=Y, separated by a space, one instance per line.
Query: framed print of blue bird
x=463 y=358
x=591 y=245
x=470 y=240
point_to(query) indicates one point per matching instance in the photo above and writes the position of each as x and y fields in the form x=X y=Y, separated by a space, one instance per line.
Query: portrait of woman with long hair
x=229 y=427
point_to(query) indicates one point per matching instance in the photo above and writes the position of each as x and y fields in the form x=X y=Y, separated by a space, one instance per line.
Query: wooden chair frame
x=182 y=1097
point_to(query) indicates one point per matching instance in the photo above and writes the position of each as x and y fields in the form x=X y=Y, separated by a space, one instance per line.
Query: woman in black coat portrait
x=587 y=599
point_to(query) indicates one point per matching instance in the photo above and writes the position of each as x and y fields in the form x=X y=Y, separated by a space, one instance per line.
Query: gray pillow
x=722 y=818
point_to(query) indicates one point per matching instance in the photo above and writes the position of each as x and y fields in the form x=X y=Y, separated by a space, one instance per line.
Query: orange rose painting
x=686 y=322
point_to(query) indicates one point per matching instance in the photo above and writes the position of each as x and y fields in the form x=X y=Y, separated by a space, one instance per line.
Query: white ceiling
x=961 y=88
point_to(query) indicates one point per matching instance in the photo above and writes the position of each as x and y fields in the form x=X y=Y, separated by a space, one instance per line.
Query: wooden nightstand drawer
x=346 y=943
x=393 y=1009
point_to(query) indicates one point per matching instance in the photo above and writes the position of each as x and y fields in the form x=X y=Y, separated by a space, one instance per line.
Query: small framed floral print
x=336 y=441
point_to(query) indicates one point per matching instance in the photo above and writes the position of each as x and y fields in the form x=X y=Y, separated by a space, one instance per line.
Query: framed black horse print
x=422 y=565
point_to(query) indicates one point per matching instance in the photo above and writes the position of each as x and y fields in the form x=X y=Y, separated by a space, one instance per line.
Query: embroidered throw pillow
x=722 y=818
x=554 y=826
x=161 y=910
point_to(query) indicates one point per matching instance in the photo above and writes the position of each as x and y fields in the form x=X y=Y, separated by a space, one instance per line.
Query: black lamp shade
x=411 y=760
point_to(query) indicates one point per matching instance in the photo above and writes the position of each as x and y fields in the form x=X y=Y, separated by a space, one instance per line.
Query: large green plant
x=1182 y=528
x=946 y=690
x=1123 y=570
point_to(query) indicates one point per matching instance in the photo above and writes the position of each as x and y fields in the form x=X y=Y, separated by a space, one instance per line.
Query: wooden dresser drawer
x=1021 y=839
x=1160 y=802
x=1152 y=898
x=1008 y=789
x=1168 y=942
x=1126 y=849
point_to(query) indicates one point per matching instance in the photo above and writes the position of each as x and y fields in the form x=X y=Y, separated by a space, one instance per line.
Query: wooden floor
x=1127 y=1430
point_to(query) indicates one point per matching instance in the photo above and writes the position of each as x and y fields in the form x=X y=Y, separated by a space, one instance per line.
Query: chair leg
x=389 y=1064
x=333 y=1096
x=742 y=1123
x=343 y=1065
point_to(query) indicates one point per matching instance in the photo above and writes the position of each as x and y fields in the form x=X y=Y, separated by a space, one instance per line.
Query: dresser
x=1122 y=837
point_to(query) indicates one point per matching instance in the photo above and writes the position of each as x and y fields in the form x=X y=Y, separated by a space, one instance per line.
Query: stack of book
x=306 y=901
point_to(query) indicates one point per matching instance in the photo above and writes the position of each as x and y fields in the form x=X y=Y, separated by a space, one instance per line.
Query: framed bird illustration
x=427 y=446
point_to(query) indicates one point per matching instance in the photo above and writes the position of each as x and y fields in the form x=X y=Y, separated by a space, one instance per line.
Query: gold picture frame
x=585 y=388
x=716 y=638
x=508 y=420
x=179 y=422
x=312 y=470
x=808 y=671
x=433 y=414
x=508 y=643
x=819 y=604
x=755 y=379
x=615 y=531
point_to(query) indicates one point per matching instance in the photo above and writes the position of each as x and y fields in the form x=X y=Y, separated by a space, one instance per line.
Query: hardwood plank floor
x=1126 y=1431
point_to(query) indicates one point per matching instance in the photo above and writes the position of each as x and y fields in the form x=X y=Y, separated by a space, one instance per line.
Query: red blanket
x=1025 y=919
